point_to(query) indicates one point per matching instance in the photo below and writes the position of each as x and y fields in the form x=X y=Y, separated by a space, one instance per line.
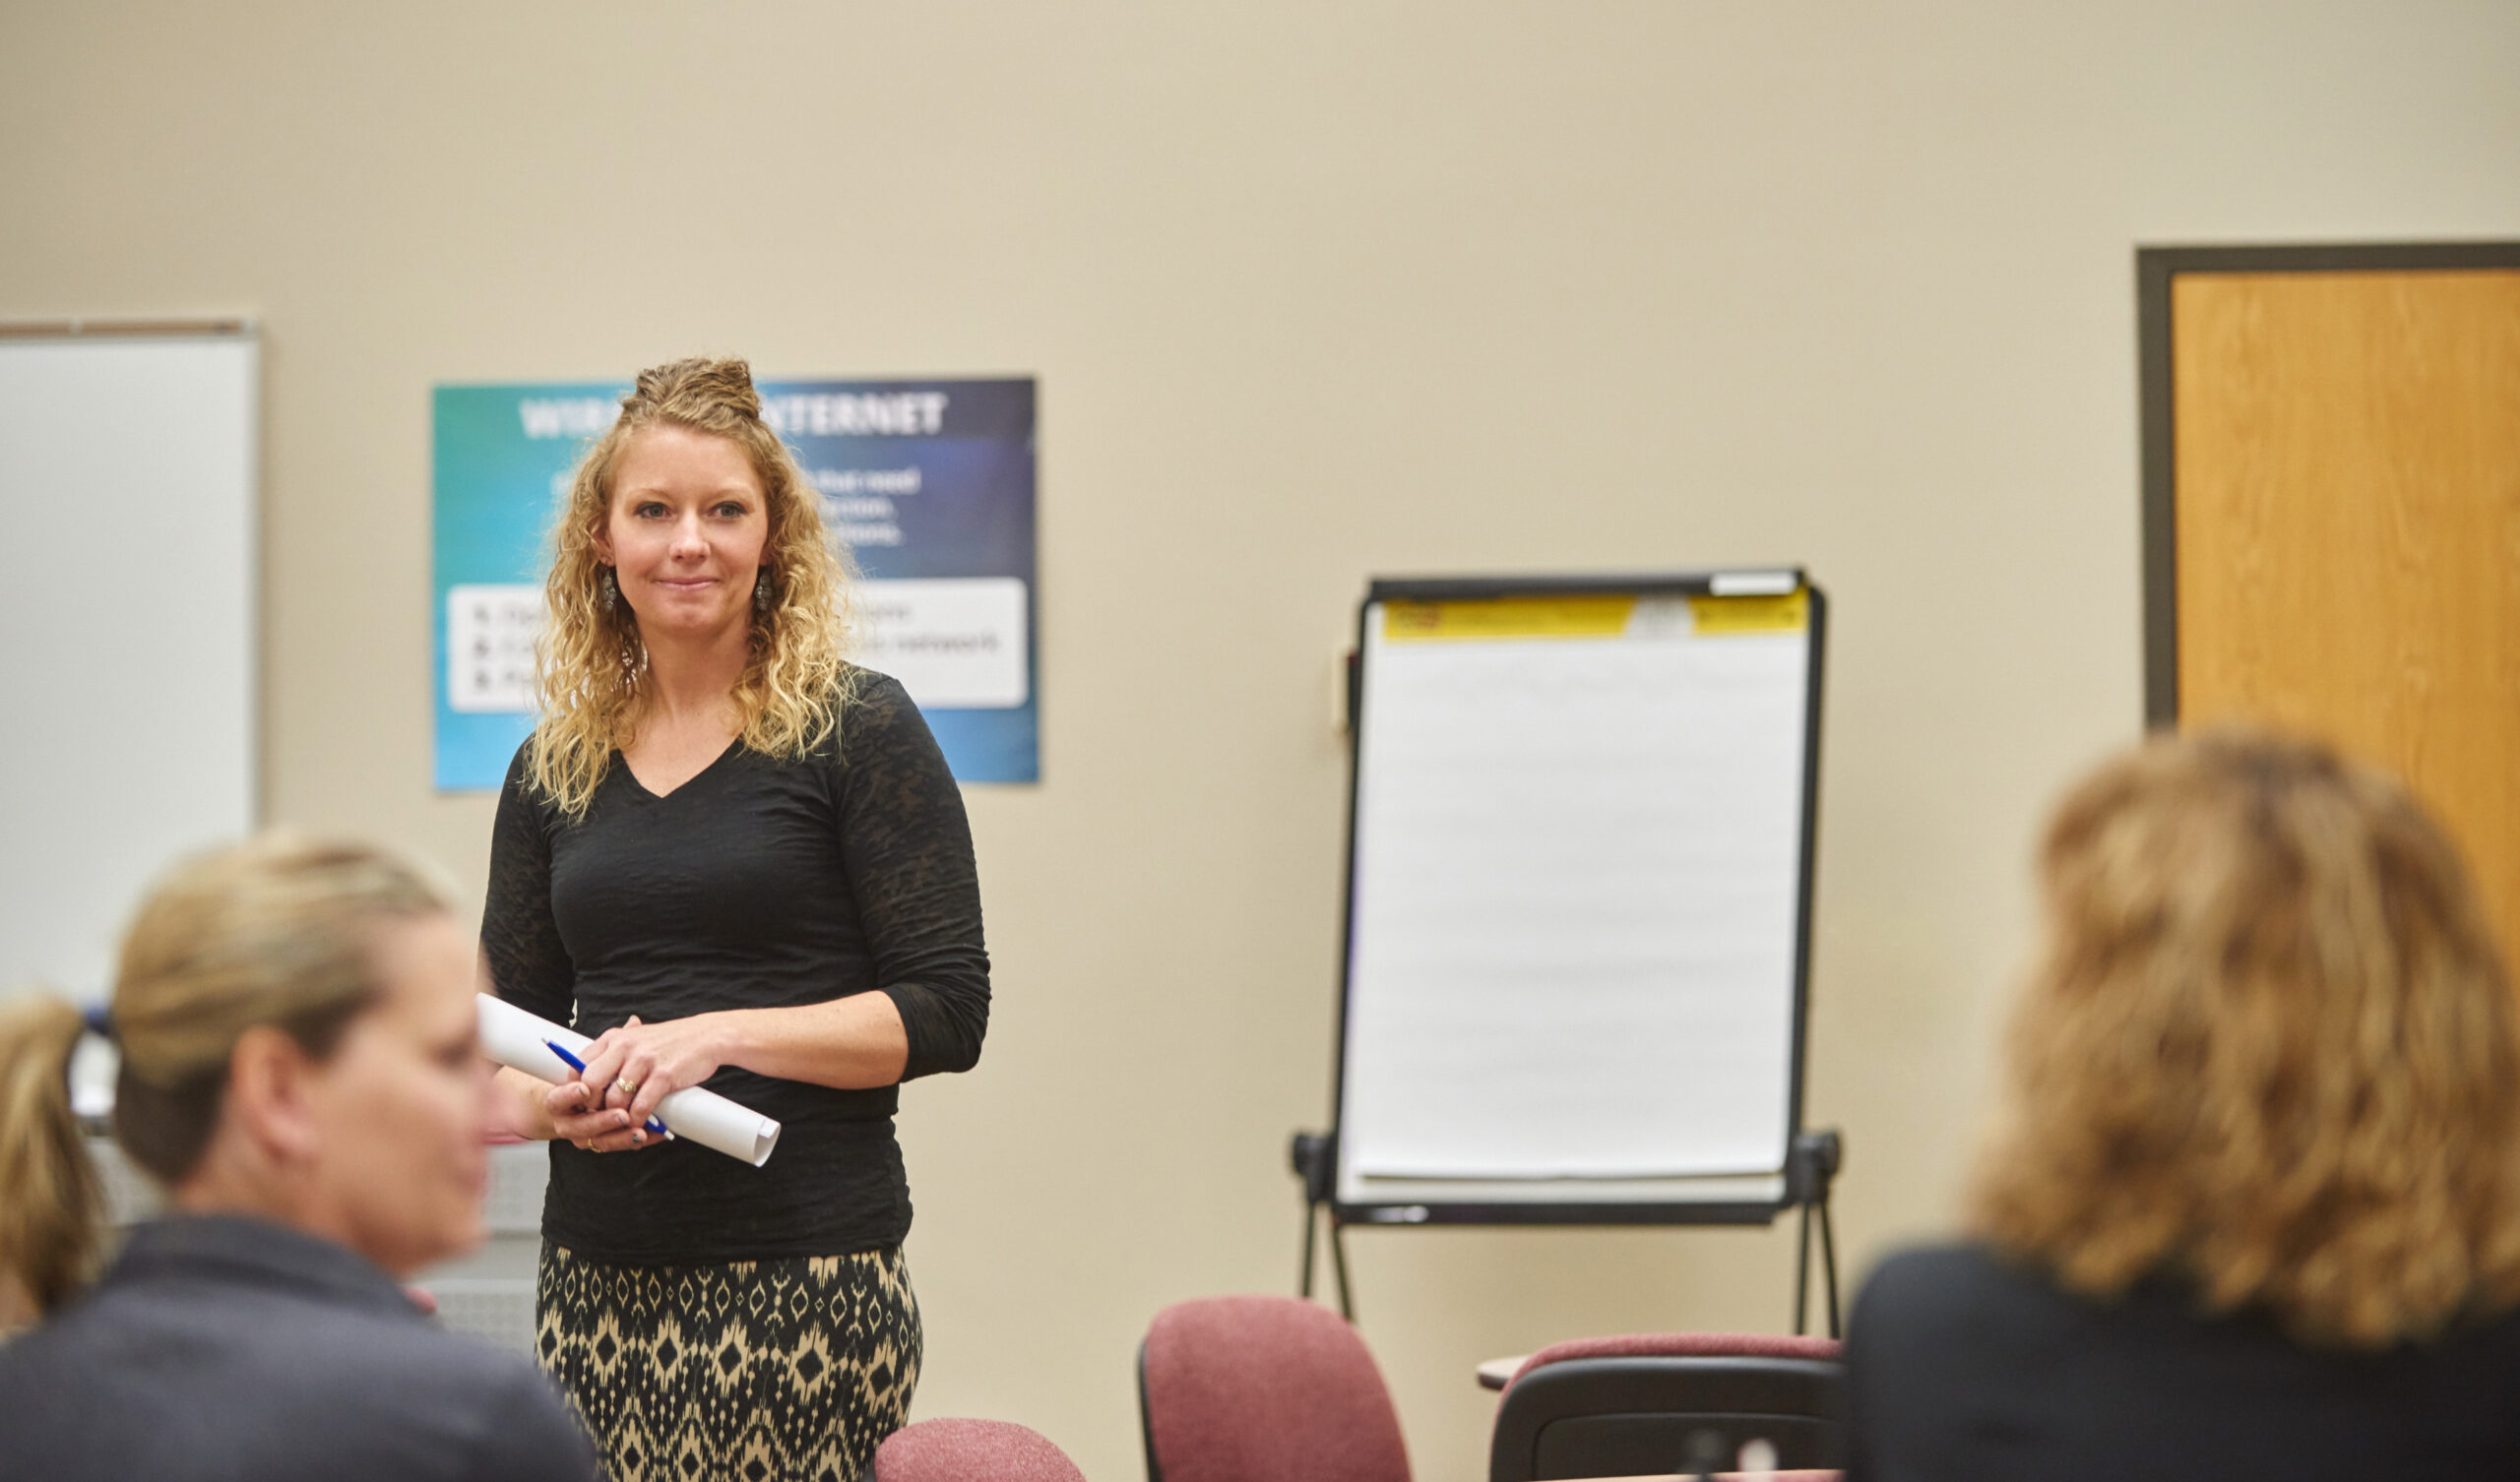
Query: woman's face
x=401 y=1107
x=685 y=534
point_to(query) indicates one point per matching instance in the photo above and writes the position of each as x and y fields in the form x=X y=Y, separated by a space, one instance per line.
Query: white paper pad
x=1576 y=893
x=517 y=1039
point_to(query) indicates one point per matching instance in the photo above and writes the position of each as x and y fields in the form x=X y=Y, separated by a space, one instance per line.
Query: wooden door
x=2333 y=515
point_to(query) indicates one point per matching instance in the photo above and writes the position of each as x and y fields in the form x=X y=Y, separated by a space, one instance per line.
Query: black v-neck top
x=760 y=883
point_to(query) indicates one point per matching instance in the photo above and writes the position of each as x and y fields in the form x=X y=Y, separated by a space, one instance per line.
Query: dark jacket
x=1962 y=1366
x=221 y=1347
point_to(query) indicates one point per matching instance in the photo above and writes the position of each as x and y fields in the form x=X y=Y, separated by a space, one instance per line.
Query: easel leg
x=1829 y=1267
x=1339 y=1264
x=1811 y=1166
x=1803 y=1281
x=1311 y=1217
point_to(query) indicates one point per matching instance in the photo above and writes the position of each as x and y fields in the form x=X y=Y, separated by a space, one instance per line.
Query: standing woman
x=737 y=861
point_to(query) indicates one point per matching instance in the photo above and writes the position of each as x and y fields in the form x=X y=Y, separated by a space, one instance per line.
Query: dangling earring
x=611 y=591
x=763 y=593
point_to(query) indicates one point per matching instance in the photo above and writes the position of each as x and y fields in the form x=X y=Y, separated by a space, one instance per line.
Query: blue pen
x=575 y=1064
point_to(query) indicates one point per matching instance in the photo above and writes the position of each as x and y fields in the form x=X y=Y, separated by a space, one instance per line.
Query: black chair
x=1669 y=1403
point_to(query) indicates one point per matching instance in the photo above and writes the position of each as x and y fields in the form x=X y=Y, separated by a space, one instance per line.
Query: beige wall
x=1314 y=292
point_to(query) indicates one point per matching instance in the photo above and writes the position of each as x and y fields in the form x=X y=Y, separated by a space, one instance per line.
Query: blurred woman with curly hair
x=737 y=861
x=2256 y=1208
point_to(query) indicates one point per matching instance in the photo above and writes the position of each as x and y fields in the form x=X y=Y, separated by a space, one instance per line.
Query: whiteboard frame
x=1734 y=1200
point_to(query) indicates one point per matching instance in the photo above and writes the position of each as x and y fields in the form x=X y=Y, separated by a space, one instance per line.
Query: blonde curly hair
x=590 y=663
x=2268 y=1050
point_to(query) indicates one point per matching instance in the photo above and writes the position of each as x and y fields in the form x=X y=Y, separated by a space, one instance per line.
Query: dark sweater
x=231 y=1349
x=760 y=883
x=1962 y=1366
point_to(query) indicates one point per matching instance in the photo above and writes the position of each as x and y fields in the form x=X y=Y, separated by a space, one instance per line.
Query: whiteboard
x=1579 y=891
x=127 y=631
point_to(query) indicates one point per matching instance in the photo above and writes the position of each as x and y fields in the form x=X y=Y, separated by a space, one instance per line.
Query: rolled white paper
x=513 y=1037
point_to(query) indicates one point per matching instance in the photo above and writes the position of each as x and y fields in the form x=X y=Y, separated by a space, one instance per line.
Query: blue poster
x=928 y=483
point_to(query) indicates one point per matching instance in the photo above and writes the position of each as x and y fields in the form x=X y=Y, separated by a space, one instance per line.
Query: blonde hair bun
x=694 y=391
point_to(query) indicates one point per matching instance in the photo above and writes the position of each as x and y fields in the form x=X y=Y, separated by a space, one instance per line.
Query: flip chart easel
x=1581 y=826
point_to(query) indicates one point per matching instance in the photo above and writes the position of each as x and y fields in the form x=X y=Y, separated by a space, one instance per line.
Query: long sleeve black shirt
x=760 y=883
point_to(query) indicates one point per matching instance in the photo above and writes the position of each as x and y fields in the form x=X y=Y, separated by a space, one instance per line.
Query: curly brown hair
x=590 y=663
x=2268 y=1050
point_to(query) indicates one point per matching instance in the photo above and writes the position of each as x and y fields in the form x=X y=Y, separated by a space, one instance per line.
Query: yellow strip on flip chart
x=1722 y=617
x=1494 y=618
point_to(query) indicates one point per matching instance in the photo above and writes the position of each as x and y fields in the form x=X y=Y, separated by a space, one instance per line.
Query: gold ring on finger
x=628 y=1087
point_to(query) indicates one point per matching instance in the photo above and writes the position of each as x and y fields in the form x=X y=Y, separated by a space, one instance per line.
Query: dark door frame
x=2155 y=270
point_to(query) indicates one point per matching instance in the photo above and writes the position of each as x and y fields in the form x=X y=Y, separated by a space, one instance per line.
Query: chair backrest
x=972 y=1450
x=1264 y=1390
x=1666 y=1402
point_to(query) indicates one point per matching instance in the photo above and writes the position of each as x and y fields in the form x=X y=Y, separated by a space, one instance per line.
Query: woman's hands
x=848 y=1043
x=629 y=1070
x=579 y=1115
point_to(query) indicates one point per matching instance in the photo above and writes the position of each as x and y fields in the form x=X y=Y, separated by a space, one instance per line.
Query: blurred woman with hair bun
x=737 y=861
x=2257 y=1207
x=300 y=1071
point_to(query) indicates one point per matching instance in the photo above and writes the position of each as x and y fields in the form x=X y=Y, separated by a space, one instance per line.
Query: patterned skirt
x=787 y=1370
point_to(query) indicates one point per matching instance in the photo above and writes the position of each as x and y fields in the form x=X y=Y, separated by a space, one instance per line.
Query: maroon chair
x=1264 y=1390
x=1664 y=1402
x=972 y=1450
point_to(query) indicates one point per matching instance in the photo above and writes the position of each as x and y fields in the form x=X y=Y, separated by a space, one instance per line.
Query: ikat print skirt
x=788 y=1370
